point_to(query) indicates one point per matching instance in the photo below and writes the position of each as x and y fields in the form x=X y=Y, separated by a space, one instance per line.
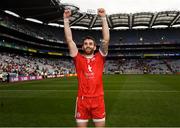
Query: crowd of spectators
x=143 y=66
x=25 y=65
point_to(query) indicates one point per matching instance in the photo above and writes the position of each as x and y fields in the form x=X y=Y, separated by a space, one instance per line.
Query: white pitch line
x=151 y=91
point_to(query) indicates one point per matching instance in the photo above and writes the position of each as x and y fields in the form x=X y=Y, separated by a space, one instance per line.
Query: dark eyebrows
x=91 y=42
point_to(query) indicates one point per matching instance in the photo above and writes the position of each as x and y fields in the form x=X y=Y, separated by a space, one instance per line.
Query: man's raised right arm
x=73 y=50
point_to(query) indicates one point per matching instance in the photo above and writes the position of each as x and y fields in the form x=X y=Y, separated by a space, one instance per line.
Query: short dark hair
x=89 y=37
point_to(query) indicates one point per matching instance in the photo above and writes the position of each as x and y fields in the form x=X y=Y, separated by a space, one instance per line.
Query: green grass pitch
x=131 y=100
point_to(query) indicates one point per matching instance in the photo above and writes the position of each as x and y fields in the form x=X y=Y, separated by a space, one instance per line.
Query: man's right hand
x=67 y=13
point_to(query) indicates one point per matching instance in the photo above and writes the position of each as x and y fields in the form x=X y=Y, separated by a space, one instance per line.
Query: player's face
x=88 y=47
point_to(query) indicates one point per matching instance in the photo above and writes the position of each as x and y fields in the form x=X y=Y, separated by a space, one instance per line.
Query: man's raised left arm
x=105 y=31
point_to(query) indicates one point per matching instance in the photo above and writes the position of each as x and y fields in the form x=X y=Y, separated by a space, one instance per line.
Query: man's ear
x=94 y=48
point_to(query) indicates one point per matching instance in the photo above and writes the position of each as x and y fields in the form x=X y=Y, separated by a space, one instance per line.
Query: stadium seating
x=23 y=65
x=20 y=65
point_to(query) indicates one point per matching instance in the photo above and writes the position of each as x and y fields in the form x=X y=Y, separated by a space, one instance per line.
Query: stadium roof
x=126 y=6
x=51 y=11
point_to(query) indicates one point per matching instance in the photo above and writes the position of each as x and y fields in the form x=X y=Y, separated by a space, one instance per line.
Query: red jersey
x=89 y=74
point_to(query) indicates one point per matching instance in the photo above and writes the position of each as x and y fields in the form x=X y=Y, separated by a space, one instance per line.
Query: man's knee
x=99 y=122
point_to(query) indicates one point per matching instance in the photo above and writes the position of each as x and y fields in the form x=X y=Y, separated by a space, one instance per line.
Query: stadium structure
x=32 y=51
x=149 y=49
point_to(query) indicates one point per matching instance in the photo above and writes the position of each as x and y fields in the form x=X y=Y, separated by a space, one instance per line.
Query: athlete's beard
x=88 y=51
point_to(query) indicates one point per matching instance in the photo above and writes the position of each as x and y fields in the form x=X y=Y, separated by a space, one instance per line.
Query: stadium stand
x=138 y=66
x=42 y=50
x=24 y=65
